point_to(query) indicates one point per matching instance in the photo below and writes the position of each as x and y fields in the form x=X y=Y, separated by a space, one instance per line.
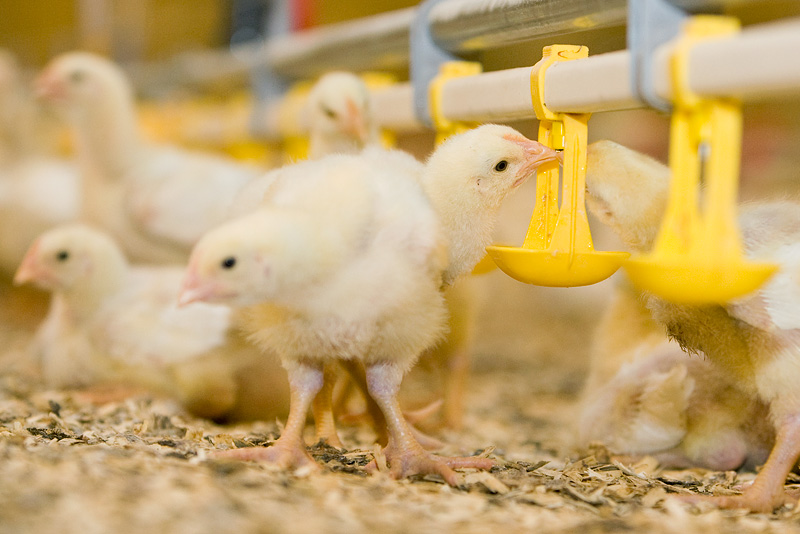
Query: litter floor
x=143 y=465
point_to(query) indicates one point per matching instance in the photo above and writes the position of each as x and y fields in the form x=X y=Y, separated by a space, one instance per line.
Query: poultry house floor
x=143 y=465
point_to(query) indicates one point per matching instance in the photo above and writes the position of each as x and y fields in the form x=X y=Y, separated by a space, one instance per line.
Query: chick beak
x=354 y=122
x=193 y=289
x=29 y=270
x=536 y=156
x=49 y=86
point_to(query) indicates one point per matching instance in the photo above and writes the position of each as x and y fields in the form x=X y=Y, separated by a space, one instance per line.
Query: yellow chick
x=348 y=263
x=755 y=341
x=155 y=200
x=111 y=323
x=339 y=110
x=645 y=396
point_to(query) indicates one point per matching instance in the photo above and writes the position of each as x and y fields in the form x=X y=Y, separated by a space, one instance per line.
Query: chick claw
x=754 y=501
x=281 y=455
x=408 y=463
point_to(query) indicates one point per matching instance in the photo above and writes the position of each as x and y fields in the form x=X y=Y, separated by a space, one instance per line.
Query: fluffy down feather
x=112 y=323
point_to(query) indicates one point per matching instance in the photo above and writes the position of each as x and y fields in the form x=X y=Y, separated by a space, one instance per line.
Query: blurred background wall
x=517 y=321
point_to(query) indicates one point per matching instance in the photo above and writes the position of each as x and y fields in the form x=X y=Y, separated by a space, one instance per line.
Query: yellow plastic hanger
x=697 y=257
x=380 y=80
x=558 y=249
x=447 y=71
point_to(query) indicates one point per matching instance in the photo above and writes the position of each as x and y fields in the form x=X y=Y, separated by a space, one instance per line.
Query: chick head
x=339 y=106
x=68 y=255
x=260 y=257
x=627 y=191
x=79 y=81
x=485 y=164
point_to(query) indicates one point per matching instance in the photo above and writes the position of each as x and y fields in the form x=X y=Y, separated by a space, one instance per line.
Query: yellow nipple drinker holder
x=558 y=249
x=697 y=257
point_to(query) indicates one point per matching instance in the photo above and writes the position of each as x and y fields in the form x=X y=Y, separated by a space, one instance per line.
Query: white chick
x=353 y=270
x=339 y=108
x=644 y=395
x=155 y=200
x=341 y=121
x=36 y=191
x=339 y=111
x=113 y=323
x=755 y=341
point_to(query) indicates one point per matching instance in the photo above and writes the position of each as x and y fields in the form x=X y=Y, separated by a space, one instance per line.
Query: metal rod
x=751 y=65
x=381 y=42
x=470 y=25
x=459 y=26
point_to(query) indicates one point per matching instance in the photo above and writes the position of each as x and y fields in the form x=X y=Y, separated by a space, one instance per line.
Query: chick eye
x=62 y=255
x=501 y=165
x=329 y=112
x=77 y=76
x=228 y=263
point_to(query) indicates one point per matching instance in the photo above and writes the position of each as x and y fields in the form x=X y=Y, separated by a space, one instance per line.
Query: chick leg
x=322 y=408
x=375 y=414
x=289 y=450
x=404 y=453
x=455 y=353
x=458 y=367
x=767 y=491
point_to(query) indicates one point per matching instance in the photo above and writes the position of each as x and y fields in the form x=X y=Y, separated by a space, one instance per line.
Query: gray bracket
x=425 y=58
x=651 y=23
x=267 y=86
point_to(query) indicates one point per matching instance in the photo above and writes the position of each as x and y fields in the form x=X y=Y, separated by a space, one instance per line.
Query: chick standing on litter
x=349 y=263
x=37 y=191
x=341 y=120
x=155 y=200
x=110 y=323
x=755 y=340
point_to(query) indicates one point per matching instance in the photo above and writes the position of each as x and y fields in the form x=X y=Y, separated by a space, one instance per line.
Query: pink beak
x=536 y=155
x=29 y=270
x=355 y=122
x=49 y=86
x=192 y=289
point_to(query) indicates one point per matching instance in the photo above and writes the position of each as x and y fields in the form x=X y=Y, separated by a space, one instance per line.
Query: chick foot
x=280 y=454
x=107 y=393
x=417 y=461
x=754 y=501
x=289 y=451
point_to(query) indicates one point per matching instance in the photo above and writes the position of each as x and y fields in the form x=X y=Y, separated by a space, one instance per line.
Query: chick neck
x=107 y=135
x=466 y=221
x=322 y=144
x=85 y=297
x=641 y=236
